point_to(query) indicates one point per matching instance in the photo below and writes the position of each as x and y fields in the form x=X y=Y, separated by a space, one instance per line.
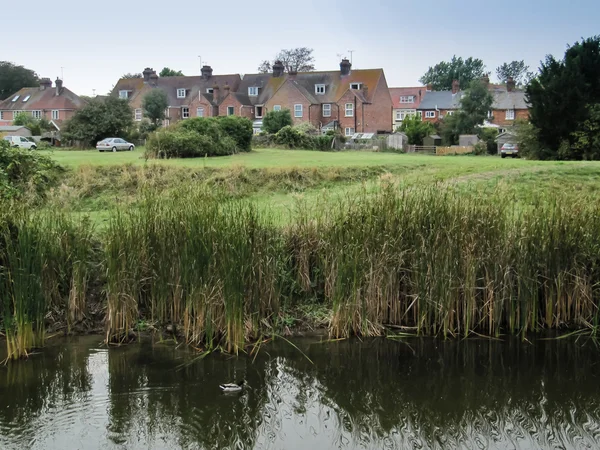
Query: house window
x=55 y=114
x=230 y=111
x=349 y=110
x=276 y=107
x=510 y=114
x=1 y=115
x=26 y=98
x=180 y=93
x=319 y=89
x=253 y=91
x=258 y=112
x=297 y=110
x=199 y=112
x=407 y=99
x=185 y=112
x=449 y=113
x=36 y=114
x=490 y=115
x=400 y=115
x=349 y=131
x=138 y=114
x=430 y=114
x=15 y=114
x=326 y=110
x=420 y=114
x=124 y=94
x=16 y=98
x=355 y=86
x=209 y=90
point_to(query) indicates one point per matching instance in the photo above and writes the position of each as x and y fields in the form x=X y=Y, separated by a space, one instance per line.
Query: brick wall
x=351 y=122
x=501 y=120
x=288 y=96
x=378 y=114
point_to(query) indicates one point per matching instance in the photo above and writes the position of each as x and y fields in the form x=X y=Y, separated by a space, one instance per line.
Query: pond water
x=372 y=394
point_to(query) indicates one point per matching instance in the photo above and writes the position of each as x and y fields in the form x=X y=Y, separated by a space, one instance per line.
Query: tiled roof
x=10 y=128
x=509 y=100
x=38 y=99
x=417 y=92
x=441 y=100
x=502 y=99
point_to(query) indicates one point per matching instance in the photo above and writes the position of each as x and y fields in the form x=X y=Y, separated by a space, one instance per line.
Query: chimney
x=365 y=90
x=429 y=88
x=45 y=83
x=58 y=83
x=226 y=90
x=345 y=67
x=485 y=80
x=215 y=93
x=278 y=69
x=455 y=86
x=147 y=73
x=510 y=84
x=206 y=72
x=153 y=78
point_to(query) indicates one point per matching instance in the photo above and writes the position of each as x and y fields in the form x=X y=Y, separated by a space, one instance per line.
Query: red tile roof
x=417 y=92
x=42 y=99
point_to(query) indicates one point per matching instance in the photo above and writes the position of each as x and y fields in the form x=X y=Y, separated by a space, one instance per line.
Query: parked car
x=114 y=144
x=20 y=142
x=509 y=150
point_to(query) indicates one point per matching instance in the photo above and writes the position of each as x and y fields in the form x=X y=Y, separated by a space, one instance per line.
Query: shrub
x=291 y=138
x=263 y=140
x=239 y=129
x=276 y=120
x=488 y=137
x=207 y=126
x=306 y=128
x=173 y=143
x=322 y=143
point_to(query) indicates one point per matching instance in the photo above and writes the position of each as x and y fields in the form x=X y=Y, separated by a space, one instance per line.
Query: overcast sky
x=97 y=44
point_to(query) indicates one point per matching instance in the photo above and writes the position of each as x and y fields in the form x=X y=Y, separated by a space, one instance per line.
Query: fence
x=453 y=150
x=421 y=149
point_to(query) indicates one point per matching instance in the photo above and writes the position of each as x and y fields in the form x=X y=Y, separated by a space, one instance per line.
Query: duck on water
x=232 y=387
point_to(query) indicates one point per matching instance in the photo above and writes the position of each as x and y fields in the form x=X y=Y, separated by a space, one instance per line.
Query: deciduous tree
x=294 y=60
x=416 y=129
x=132 y=75
x=276 y=120
x=154 y=105
x=14 y=78
x=517 y=70
x=464 y=70
x=166 y=72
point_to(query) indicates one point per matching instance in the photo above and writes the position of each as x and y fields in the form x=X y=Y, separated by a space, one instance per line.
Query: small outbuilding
x=506 y=138
x=15 y=130
x=432 y=140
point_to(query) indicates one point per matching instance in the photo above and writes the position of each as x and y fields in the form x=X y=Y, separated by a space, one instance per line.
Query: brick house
x=56 y=104
x=194 y=96
x=405 y=101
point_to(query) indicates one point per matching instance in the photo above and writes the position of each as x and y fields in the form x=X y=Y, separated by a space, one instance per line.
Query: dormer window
x=124 y=94
x=407 y=99
x=209 y=90
x=253 y=91
x=319 y=89
x=180 y=93
x=16 y=98
x=26 y=98
x=355 y=86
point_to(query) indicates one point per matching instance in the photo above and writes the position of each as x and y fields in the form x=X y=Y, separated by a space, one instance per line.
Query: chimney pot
x=59 y=86
x=510 y=84
x=345 y=67
x=45 y=83
x=429 y=88
x=215 y=93
x=278 y=69
x=455 y=86
x=147 y=74
x=206 y=72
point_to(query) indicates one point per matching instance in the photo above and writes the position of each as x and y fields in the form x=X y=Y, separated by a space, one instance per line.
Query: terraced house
x=350 y=100
x=405 y=102
x=55 y=104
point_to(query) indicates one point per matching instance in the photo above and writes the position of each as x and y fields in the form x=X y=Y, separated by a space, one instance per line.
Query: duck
x=232 y=387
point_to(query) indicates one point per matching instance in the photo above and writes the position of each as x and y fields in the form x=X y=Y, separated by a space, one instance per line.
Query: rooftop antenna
x=351 y=51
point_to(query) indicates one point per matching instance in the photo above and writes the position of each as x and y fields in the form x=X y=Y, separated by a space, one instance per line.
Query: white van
x=21 y=142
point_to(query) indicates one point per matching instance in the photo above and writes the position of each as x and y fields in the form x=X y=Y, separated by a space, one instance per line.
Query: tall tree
x=166 y=72
x=132 y=75
x=14 y=78
x=464 y=70
x=517 y=70
x=416 y=129
x=154 y=105
x=561 y=95
x=294 y=60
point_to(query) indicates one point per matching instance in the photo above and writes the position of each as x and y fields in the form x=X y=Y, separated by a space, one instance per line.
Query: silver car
x=114 y=144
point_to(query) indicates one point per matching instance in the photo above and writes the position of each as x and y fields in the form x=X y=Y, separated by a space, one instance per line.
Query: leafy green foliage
x=25 y=172
x=464 y=70
x=36 y=126
x=416 y=129
x=586 y=140
x=166 y=72
x=298 y=59
x=239 y=129
x=488 y=138
x=172 y=143
x=100 y=119
x=276 y=120
x=13 y=78
x=517 y=70
x=560 y=96
x=294 y=138
x=154 y=105
x=132 y=75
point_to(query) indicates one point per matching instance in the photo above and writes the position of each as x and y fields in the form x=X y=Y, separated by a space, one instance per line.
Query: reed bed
x=431 y=260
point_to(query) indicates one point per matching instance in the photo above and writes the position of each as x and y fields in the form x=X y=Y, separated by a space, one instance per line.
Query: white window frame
x=510 y=114
x=185 y=112
x=490 y=114
x=400 y=115
x=15 y=114
x=349 y=109
x=256 y=111
x=15 y=98
x=138 y=114
x=320 y=89
x=253 y=91
x=1 y=115
x=210 y=90
x=36 y=114
x=355 y=86
x=349 y=131
x=430 y=114
x=407 y=99
x=26 y=98
x=55 y=114
x=200 y=111
x=180 y=93
x=231 y=111
x=276 y=107
x=298 y=110
x=327 y=112
x=124 y=94
x=420 y=114
x=449 y=113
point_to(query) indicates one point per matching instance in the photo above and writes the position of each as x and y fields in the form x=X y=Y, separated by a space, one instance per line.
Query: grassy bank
x=223 y=271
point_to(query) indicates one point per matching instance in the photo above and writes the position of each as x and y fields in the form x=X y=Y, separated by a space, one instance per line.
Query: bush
x=292 y=138
x=263 y=140
x=239 y=129
x=173 y=143
x=322 y=143
x=307 y=128
x=207 y=126
x=488 y=138
x=276 y=120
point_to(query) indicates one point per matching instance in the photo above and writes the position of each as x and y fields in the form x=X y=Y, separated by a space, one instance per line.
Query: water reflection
x=373 y=394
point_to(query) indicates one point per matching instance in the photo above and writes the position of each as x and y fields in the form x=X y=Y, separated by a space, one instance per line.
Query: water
x=375 y=394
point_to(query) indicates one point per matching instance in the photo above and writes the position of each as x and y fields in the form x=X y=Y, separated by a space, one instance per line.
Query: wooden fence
x=453 y=150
